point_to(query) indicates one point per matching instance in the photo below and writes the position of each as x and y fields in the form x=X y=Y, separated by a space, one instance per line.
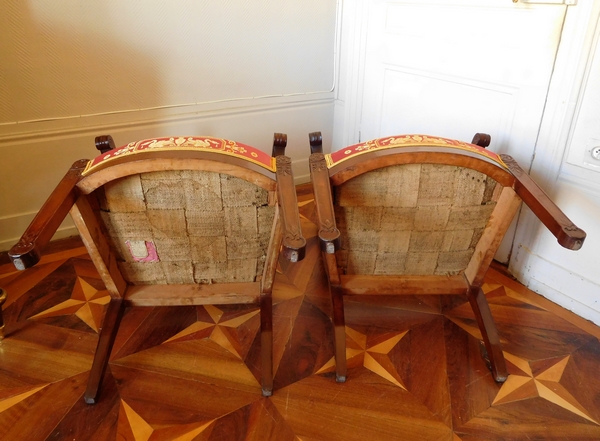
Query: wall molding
x=35 y=130
x=48 y=148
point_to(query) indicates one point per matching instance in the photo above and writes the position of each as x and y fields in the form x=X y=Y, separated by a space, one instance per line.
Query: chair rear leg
x=112 y=319
x=488 y=329
x=266 y=344
x=3 y=296
x=339 y=323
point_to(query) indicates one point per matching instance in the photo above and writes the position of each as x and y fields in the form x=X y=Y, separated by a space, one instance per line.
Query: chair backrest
x=186 y=226
x=412 y=219
x=423 y=206
x=184 y=211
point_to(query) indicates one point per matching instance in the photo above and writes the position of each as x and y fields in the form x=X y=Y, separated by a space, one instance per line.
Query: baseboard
x=563 y=287
x=61 y=233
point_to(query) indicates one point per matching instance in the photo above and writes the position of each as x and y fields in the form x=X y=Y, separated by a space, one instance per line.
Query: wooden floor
x=190 y=373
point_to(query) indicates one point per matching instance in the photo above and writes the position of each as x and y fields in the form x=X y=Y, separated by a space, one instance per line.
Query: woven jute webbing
x=186 y=227
x=415 y=219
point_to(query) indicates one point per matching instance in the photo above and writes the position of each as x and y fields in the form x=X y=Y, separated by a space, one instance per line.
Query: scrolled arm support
x=26 y=252
x=104 y=143
x=329 y=235
x=279 y=144
x=316 y=142
x=566 y=232
x=294 y=244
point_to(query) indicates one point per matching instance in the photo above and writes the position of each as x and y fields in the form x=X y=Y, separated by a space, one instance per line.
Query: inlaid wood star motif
x=86 y=302
x=19 y=397
x=542 y=382
x=373 y=357
x=131 y=423
x=218 y=331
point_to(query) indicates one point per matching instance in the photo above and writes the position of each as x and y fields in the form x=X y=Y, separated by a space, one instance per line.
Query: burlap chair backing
x=413 y=219
x=181 y=227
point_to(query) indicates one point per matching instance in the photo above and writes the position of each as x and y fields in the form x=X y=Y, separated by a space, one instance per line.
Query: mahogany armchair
x=421 y=215
x=177 y=221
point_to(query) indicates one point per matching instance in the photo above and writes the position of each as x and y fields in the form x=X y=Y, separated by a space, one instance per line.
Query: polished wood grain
x=192 y=372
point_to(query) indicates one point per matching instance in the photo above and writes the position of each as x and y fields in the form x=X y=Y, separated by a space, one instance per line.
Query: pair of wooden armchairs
x=193 y=221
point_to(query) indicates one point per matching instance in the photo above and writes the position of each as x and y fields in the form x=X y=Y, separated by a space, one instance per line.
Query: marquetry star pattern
x=166 y=390
x=13 y=400
x=221 y=330
x=133 y=426
x=86 y=302
x=545 y=384
x=374 y=357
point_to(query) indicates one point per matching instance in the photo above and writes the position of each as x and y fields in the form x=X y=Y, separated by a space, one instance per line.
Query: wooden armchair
x=421 y=215
x=177 y=221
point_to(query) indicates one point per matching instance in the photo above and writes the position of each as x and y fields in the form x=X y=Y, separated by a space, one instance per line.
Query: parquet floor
x=190 y=373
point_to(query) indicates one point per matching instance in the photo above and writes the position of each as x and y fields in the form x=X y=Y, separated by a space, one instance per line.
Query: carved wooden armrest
x=329 y=235
x=566 y=232
x=26 y=252
x=294 y=244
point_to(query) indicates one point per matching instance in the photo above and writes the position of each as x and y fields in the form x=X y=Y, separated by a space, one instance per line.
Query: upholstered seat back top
x=181 y=210
x=186 y=226
x=182 y=144
x=412 y=219
x=416 y=143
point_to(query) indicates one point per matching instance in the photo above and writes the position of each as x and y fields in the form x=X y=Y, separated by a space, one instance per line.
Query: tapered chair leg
x=3 y=297
x=106 y=339
x=488 y=329
x=339 y=329
x=266 y=344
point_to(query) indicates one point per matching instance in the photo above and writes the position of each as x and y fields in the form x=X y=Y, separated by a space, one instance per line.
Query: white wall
x=564 y=165
x=72 y=70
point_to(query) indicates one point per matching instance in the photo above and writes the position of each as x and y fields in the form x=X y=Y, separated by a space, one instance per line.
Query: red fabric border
x=407 y=141
x=204 y=143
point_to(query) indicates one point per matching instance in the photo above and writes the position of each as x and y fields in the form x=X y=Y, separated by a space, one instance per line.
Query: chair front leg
x=339 y=320
x=488 y=329
x=266 y=343
x=112 y=319
x=339 y=329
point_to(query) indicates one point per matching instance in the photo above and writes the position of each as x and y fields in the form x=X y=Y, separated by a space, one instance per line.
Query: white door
x=452 y=68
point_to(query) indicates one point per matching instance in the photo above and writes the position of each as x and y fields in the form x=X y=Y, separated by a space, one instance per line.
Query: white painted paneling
x=453 y=68
x=464 y=107
x=580 y=164
x=572 y=115
x=490 y=63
